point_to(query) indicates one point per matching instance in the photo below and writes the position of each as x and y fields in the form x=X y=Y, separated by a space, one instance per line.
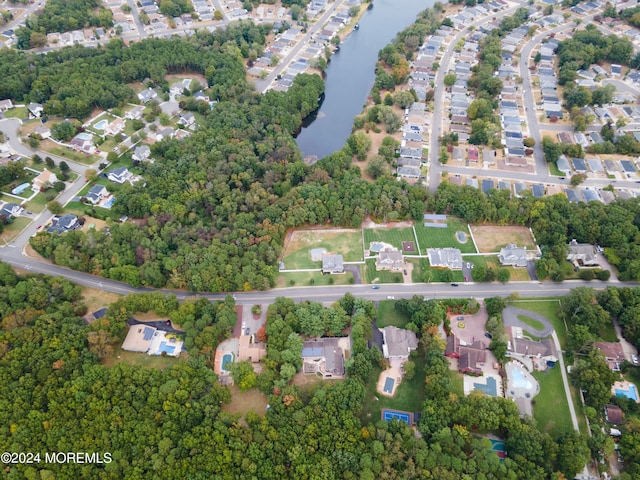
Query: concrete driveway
x=510 y=318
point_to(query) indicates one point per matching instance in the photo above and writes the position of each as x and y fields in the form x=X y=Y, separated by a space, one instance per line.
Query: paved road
x=510 y=318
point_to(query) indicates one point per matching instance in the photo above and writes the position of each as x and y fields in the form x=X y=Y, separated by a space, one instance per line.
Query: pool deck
x=624 y=386
x=230 y=345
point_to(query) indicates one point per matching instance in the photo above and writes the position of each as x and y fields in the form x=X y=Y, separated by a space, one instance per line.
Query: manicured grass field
x=532 y=322
x=312 y=278
x=409 y=394
x=297 y=254
x=137 y=359
x=36 y=204
x=457 y=383
x=551 y=409
x=422 y=272
x=392 y=236
x=83 y=158
x=388 y=315
x=430 y=237
x=517 y=274
x=382 y=276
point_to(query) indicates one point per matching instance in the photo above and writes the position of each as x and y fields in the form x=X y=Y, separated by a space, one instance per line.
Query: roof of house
x=139 y=338
x=329 y=349
x=388 y=256
x=583 y=252
x=526 y=346
x=398 y=342
x=332 y=263
x=611 y=350
x=513 y=255
x=469 y=359
x=445 y=257
x=613 y=414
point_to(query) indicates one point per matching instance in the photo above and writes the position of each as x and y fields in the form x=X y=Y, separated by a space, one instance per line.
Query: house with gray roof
x=11 y=210
x=324 y=356
x=398 y=343
x=147 y=95
x=582 y=254
x=450 y=258
x=65 y=223
x=513 y=255
x=141 y=153
x=96 y=194
x=390 y=259
x=332 y=264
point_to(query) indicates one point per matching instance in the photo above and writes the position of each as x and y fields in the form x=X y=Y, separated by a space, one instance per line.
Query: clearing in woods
x=491 y=238
x=299 y=243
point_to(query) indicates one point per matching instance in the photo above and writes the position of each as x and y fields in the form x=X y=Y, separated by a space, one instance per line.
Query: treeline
x=62 y=16
x=73 y=81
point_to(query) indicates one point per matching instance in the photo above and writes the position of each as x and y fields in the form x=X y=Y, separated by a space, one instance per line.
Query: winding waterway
x=351 y=74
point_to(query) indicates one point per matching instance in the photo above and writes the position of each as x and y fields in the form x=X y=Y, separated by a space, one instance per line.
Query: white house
x=141 y=153
x=119 y=175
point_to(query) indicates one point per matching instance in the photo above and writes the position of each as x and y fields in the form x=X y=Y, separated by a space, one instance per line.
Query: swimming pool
x=165 y=348
x=109 y=202
x=388 y=385
x=20 y=188
x=84 y=136
x=631 y=393
x=101 y=125
x=226 y=359
x=519 y=381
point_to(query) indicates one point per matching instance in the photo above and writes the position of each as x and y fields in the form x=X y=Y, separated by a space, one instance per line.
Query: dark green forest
x=169 y=423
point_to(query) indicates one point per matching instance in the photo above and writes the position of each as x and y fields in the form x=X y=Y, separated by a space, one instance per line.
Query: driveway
x=531 y=270
x=627 y=347
x=355 y=270
x=510 y=318
x=473 y=326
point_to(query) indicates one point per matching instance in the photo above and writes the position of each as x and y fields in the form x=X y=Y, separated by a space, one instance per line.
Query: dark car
x=405 y=272
x=488 y=335
x=454 y=284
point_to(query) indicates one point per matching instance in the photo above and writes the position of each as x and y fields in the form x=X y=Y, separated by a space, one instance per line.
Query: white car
x=634 y=359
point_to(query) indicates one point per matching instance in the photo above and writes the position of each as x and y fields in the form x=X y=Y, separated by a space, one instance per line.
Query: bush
x=587 y=274
x=604 y=275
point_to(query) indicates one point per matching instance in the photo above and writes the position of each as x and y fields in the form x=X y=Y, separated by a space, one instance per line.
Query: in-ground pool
x=226 y=358
x=101 y=125
x=165 y=348
x=20 y=188
x=109 y=202
x=631 y=393
x=519 y=381
x=84 y=136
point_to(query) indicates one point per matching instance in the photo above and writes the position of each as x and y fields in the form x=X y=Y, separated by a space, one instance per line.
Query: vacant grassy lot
x=430 y=237
x=297 y=255
x=550 y=408
x=291 y=279
x=139 y=359
x=392 y=236
x=382 y=276
x=409 y=394
x=388 y=315
x=243 y=402
x=422 y=272
x=95 y=299
x=12 y=230
x=491 y=238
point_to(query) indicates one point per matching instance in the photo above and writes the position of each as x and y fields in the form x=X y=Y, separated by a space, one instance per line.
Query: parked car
x=375 y=287
x=488 y=335
x=405 y=272
x=634 y=359
x=454 y=284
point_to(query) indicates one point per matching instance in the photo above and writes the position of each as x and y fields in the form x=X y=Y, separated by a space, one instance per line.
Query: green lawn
x=14 y=228
x=532 y=322
x=517 y=274
x=549 y=307
x=83 y=158
x=80 y=209
x=422 y=272
x=36 y=204
x=550 y=408
x=383 y=276
x=388 y=315
x=553 y=169
x=312 y=278
x=297 y=255
x=457 y=383
x=409 y=394
x=608 y=333
x=430 y=237
x=139 y=359
x=392 y=236
x=18 y=112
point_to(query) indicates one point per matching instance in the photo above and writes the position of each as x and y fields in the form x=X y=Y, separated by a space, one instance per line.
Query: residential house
x=97 y=194
x=43 y=181
x=167 y=133
x=186 y=119
x=612 y=352
x=332 y=264
x=65 y=223
x=119 y=175
x=115 y=127
x=390 y=259
x=35 y=110
x=147 y=95
x=525 y=347
x=11 y=210
x=139 y=338
x=83 y=143
x=471 y=358
x=141 y=153
x=450 y=258
x=43 y=132
x=582 y=254
x=249 y=350
x=398 y=343
x=5 y=105
x=135 y=113
x=614 y=414
x=324 y=356
x=513 y=255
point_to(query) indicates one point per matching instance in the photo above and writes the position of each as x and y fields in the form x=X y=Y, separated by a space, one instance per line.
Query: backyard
x=491 y=238
x=550 y=407
x=392 y=236
x=432 y=237
x=299 y=243
x=388 y=315
x=137 y=359
x=243 y=402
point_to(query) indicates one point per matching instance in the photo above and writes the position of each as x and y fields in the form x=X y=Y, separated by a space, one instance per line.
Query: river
x=351 y=73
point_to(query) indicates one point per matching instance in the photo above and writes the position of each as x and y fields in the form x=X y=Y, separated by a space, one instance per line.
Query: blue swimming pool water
x=226 y=358
x=388 y=385
x=519 y=381
x=168 y=349
x=631 y=393
x=109 y=202
x=20 y=188
x=101 y=125
x=84 y=136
